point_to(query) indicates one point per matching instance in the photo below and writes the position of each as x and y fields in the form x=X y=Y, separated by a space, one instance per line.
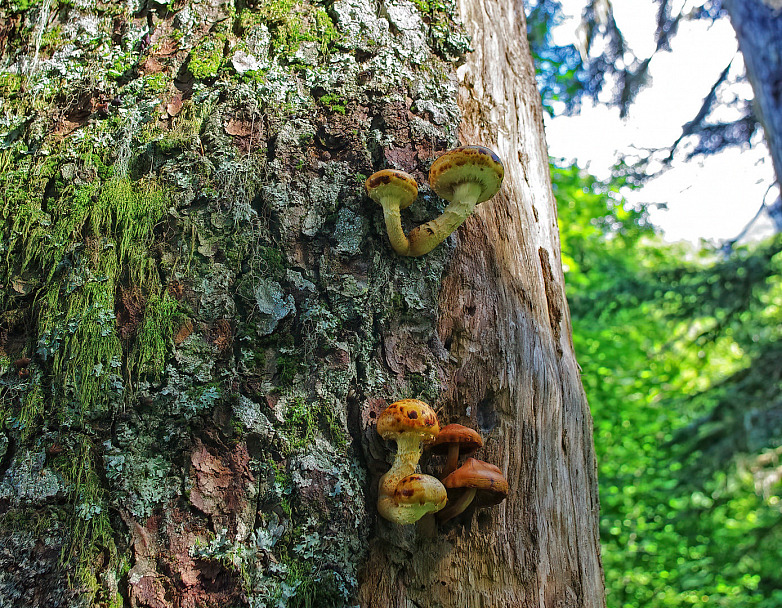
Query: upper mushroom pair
x=405 y=496
x=463 y=176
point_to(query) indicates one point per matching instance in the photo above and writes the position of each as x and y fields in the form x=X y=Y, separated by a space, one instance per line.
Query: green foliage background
x=682 y=364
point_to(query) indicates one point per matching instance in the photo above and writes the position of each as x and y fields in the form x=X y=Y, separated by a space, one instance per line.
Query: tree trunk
x=202 y=316
x=758 y=25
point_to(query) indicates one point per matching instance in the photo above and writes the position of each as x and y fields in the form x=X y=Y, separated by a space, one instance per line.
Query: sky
x=710 y=198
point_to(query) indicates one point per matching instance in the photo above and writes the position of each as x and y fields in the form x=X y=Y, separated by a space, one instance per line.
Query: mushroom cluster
x=405 y=496
x=463 y=176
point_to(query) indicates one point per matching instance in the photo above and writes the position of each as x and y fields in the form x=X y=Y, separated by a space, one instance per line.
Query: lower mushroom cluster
x=405 y=496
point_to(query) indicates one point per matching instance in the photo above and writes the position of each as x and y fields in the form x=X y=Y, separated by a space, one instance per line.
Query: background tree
x=758 y=26
x=201 y=314
x=680 y=354
x=601 y=65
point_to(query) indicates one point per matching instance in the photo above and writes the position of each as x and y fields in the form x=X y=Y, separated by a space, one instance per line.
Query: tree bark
x=758 y=26
x=202 y=316
x=511 y=372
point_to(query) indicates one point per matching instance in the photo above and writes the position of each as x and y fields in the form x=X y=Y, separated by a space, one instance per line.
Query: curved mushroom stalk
x=408 y=453
x=393 y=220
x=427 y=236
x=463 y=176
x=394 y=191
x=410 y=499
x=457 y=506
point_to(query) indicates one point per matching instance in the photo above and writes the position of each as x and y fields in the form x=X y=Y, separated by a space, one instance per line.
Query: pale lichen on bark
x=235 y=467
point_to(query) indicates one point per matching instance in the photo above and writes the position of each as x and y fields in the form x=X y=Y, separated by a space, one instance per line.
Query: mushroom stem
x=404 y=496
x=452 y=462
x=427 y=526
x=458 y=506
x=396 y=235
x=427 y=236
x=408 y=453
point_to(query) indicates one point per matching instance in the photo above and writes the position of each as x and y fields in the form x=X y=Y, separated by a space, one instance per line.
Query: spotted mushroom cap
x=418 y=489
x=467 y=439
x=467 y=164
x=406 y=416
x=390 y=183
x=487 y=479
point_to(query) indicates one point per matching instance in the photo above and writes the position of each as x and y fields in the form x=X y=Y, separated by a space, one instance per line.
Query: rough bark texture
x=758 y=25
x=202 y=316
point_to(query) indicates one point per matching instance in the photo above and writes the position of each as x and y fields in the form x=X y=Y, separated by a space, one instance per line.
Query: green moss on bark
x=199 y=266
x=79 y=249
x=206 y=58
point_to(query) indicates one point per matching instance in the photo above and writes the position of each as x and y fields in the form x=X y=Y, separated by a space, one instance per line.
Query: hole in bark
x=487 y=415
x=14 y=332
x=355 y=419
x=378 y=122
x=255 y=445
x=448 y=342
x=49 y=193
x=483 y=519
x=271 y=147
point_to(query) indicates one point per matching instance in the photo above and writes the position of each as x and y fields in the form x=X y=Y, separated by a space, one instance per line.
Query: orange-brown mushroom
x=455 y=440
x=476 y=481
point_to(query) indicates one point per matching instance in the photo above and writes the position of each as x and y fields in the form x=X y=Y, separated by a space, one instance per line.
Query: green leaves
x=680 y=353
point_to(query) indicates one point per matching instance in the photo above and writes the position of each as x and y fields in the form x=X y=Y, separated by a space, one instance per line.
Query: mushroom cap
x=467 y=164
x=491 y=486
x=390 y=183
x=408 y=416
x=468 y=439
x=418 y=489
